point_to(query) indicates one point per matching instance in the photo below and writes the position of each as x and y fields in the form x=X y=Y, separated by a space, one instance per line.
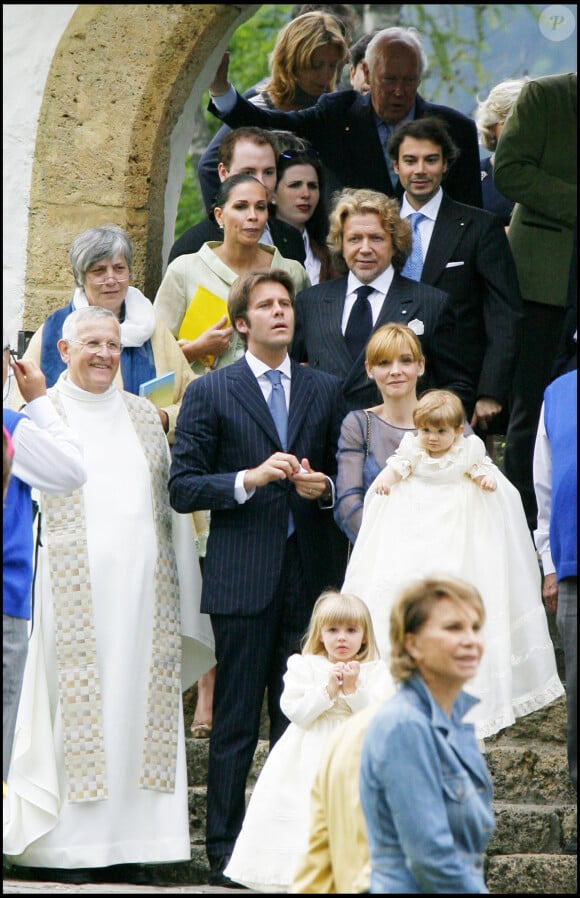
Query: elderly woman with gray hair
x=490 y=116
x=102 y=263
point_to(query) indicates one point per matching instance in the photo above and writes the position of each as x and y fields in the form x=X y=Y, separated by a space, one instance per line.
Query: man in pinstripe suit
x=466 y=254
x=273 y=544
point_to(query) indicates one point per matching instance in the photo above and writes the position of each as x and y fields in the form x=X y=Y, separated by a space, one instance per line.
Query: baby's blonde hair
x=333 y=608
x=439 y=408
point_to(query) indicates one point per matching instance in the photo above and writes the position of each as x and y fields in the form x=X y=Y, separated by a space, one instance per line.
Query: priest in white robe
x=98 y=775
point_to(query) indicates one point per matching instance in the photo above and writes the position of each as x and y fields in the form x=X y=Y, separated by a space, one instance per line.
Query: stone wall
x=118 y=83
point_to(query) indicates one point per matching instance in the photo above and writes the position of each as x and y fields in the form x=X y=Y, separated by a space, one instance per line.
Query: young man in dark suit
x=350 y=130
x=465 y=252
x=251 y=151
x=273 y=542
x=371 y=243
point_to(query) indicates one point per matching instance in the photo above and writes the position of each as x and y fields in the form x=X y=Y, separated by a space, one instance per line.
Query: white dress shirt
x=430 y=210
x=380 y=285
x=258 y=369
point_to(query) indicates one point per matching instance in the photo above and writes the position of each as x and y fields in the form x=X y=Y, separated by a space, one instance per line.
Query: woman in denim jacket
x=426 y=792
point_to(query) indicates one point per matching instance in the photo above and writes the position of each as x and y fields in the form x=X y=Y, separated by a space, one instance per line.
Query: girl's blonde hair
x=390 y=341
x=293 y=52
x=334 y=608
x=412 y=609
x=439 y=408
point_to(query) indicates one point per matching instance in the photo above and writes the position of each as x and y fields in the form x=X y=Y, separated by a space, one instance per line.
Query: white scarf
x=139 y=322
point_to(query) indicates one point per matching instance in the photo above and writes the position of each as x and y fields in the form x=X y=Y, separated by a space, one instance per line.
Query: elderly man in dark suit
x=350 y=130
x=463 y=251
x=272 y=544
x=250 y=151
x=335 y=319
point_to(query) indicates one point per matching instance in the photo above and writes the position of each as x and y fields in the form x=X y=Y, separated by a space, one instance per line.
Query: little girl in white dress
x=338 y=673
x=440 y=506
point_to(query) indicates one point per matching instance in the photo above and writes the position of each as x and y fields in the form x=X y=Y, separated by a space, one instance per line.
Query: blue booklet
x=159 y=389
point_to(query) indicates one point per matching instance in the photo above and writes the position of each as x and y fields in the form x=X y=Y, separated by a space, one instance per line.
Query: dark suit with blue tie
x=319 y=341
x=258 y=586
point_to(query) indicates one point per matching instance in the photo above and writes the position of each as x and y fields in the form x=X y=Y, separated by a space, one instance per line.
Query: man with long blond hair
x=370 y=242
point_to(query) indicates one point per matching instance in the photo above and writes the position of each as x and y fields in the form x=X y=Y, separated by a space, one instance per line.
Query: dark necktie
x=414 y=264
x=277 y=406
x=360 y=322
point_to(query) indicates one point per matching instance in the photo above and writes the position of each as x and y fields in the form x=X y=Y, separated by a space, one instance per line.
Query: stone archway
x=118 y=83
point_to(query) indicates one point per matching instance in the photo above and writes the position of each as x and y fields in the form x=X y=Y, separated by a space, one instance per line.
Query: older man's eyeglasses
x=13 y=354
x=92 y=347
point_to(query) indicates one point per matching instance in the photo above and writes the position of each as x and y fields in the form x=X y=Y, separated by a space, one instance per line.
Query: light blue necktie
x=277 y=406
x=279 y=412
x=414 y=264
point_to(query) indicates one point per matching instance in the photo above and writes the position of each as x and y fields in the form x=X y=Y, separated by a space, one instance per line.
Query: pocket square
x=417 y=326
x=454 y=264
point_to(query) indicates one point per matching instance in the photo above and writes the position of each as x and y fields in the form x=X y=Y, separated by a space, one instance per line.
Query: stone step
x=532 y=828
x=529 y=772
x=522 y=771
x=534 y=802
x=520 y=827
x=532 y=874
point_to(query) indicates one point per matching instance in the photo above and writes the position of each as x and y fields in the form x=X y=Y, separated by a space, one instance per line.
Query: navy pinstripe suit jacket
x=224 y=426
x=318 y=338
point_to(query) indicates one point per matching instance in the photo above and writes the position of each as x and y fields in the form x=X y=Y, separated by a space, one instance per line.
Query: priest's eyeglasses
x=92 y=347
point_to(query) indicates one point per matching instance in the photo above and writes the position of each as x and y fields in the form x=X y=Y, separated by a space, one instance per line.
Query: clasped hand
x=344 y=675
x=284 y=466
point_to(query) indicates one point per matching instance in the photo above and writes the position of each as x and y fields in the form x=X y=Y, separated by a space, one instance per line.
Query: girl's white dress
x=436 y=520
x=277 y=821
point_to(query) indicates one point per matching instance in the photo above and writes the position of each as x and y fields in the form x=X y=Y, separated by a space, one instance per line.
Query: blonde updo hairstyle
x=293 y=52
x=412 y=609
x=353 y=201
x=495 y=109
x=334 y=608
x=439 y=408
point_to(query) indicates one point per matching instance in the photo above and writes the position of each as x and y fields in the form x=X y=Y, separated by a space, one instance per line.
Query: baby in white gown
x=441 y=506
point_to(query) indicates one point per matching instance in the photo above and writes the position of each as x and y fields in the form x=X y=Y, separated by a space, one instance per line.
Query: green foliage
x=455 y=37
x=191 y=208
x=249 y=50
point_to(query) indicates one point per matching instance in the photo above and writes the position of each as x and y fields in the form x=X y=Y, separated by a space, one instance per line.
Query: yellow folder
x=204 y=310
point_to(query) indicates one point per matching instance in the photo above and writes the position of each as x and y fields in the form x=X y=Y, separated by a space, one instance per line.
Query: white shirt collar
x=430 y=210
x=381 y=283
x=259 y=368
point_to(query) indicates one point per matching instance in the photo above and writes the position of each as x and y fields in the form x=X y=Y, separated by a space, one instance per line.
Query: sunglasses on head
x=296 y=154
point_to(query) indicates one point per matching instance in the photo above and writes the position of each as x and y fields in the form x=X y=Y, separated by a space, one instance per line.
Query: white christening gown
x=437 y=520
x=277 y=822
